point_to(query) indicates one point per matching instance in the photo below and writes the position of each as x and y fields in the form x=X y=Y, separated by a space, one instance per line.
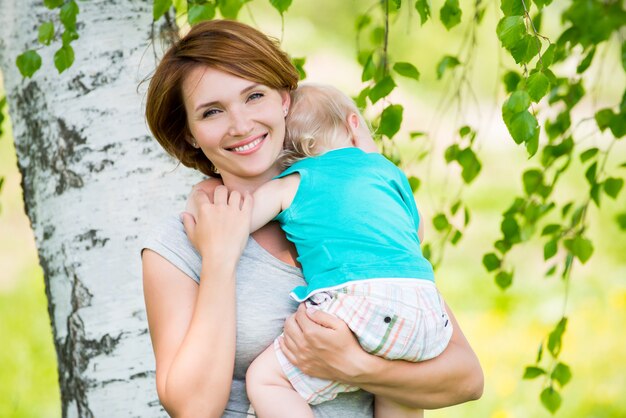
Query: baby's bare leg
x=270 y=392
x=385 y=408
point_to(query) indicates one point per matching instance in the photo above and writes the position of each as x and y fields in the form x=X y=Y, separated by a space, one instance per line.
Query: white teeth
x=248 y=146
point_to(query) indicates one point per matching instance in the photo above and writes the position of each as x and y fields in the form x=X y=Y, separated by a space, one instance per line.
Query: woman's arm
x=193 y=327
x=323 y=346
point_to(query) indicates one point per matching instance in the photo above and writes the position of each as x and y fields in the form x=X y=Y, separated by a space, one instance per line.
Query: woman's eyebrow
x=244 y=91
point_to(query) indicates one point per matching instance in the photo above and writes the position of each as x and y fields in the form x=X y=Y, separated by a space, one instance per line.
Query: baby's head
x=321 y=118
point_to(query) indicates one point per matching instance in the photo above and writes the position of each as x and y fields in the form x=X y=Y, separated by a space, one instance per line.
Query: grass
x=28 y=377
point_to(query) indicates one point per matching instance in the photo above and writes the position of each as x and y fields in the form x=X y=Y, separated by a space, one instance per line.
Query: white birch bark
x=94 y=181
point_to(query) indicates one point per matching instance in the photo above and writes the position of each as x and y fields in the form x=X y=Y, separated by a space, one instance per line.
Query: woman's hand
x=321 y=345
x=219 y=227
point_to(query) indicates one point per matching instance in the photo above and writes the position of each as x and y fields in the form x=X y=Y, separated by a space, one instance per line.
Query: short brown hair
x=225 y=45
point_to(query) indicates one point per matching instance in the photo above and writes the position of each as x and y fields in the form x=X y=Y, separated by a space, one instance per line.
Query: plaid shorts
x=395 y=319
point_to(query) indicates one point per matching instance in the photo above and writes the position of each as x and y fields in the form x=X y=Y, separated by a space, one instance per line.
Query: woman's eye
x=255 y=96
x=210 y=112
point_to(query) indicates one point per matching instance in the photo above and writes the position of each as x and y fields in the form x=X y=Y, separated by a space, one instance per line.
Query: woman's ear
x=192 y=142
x=286 y=99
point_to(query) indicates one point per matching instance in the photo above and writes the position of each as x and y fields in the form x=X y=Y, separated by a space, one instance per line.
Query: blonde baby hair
x=317 y=122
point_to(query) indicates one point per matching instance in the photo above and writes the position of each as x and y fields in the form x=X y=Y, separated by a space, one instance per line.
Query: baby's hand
x=193 y=200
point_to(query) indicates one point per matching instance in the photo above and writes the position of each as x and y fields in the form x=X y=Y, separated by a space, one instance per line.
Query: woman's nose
x=240 y=123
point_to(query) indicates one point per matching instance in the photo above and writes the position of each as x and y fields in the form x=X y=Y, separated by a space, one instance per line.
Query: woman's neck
x=248 y=184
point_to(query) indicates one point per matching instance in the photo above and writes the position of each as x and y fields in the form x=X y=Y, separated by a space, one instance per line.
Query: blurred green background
x=505 y=328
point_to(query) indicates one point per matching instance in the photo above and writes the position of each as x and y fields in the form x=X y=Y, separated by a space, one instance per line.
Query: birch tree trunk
x=94 y=180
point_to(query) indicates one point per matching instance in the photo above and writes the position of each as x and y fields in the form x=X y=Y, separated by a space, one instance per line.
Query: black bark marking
x=92 y=239
x=73 y=356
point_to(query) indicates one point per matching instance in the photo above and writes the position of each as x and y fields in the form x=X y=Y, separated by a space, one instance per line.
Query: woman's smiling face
x=239 y=124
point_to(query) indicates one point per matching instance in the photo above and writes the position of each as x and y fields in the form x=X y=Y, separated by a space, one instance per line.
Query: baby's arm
x=272 y=198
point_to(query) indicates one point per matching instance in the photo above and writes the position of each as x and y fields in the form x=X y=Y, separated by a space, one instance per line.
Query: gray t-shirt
x=263 y=304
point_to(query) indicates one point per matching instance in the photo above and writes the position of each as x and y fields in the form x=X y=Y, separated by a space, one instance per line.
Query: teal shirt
x=353 y=218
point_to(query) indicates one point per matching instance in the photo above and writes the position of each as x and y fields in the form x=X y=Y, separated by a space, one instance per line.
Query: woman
x=217 y=102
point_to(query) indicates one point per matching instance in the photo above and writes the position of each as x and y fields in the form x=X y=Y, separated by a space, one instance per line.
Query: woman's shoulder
x=167 y=237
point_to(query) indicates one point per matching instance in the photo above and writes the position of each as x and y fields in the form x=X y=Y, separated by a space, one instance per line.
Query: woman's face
x=238 y=124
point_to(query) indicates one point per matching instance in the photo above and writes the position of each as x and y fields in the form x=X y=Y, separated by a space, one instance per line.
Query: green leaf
x=550 y=399
x=590 y=174
x=200 y=12
x=53 y=4
x=464 y=130
x=549 y=249
x=361 y=99
x=532 y=145
x=69 y=36
x=423 y=8
x=580 y=247
x=68 y=15
x=561 y=374
x=414 y=182
x=369 y=69
x=624 y=55
x=407 y=69
x=532 y=372
x=440 y=222
x=28 y=63
x=621 y=221
x=502 y=245
x=590 y=153
x=451 y=153
x=612 y=186
x=456 y=237
x=299 y=64
x=524 y=50
x=551 y=271
x=390 y=120
x=618 y=125
x=363 y=21
x=523 y=127
x=512 y=7
x=541 y=3
x=510 y=229
x=46 y=33
x=548 y=56
x=555 y=337
x=603 y=118
x=533 y=180
x=471 y=165
x=450 y=14
x=229 y=9
x=281 y=5
x=539 y=353
x=550 y=229
x=64 y=58
x=511 y=80
x=491 y=261
x=517 y=102
x=510 y=30
x=447 y=62
x=586 y=62
x=382 y=89
x=537 y=86
x=504 y=279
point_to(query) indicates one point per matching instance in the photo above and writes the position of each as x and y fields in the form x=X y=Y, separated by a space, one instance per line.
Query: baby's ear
x=353 y=127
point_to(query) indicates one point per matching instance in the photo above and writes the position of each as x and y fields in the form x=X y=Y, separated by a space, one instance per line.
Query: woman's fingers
x=189 y=223
x=220 y=197
x=287 y=350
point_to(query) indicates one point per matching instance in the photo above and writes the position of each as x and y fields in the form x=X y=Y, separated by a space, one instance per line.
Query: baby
x=351 y=215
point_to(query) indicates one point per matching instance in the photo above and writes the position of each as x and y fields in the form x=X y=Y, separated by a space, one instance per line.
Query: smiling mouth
x=249 y=145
